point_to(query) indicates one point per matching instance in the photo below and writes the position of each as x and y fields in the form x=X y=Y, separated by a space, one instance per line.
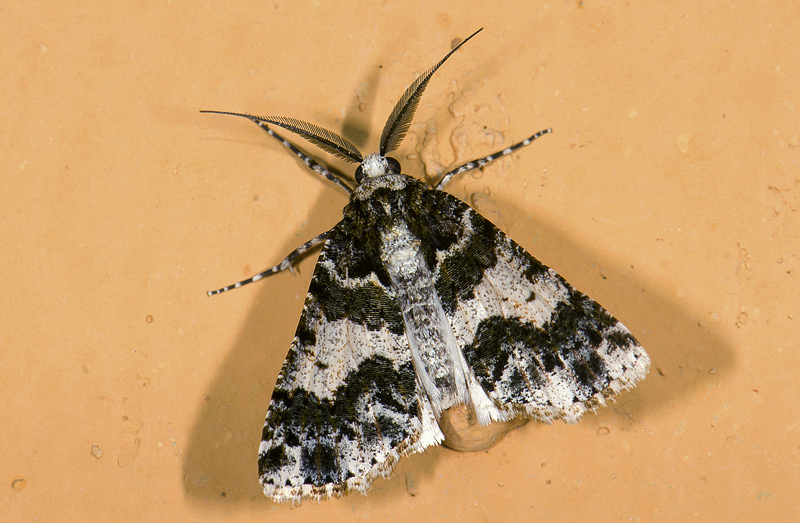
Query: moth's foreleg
x=483 y=161
x=282 y=266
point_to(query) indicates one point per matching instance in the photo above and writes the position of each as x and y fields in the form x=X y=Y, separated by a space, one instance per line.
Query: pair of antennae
x=393 y=132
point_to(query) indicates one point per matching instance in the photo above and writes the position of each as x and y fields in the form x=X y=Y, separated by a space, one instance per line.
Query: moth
x=419 y=304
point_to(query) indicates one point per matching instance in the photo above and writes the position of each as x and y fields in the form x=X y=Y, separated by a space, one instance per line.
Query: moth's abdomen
x=438 y=362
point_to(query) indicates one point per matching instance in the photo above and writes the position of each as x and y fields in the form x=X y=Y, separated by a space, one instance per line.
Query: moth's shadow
x=220 y=462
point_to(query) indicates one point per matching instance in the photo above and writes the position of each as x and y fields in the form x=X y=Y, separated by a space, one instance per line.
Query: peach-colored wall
x=669 y=192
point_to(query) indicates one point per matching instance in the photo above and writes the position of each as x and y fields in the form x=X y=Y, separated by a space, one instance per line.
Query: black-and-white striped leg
x=483 y=161
x=282 y=266
x=313 y=165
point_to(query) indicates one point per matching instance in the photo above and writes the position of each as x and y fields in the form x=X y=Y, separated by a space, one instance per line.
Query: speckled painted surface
x=668 y=192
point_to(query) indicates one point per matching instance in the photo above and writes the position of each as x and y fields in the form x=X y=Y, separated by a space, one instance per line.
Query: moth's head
x=375 y=165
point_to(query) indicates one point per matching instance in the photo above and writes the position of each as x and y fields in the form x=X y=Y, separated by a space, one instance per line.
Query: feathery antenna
x=400 y=120
x=326 y=140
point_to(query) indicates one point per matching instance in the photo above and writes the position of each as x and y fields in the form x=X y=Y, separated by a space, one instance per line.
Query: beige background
x=669 y=192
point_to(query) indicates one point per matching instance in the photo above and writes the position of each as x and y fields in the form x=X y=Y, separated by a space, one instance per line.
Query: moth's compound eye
x=359 y=174
x=394 y=165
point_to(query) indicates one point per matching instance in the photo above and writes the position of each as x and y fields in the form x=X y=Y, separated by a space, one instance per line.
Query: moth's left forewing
x=346 y=406
x=538 y=348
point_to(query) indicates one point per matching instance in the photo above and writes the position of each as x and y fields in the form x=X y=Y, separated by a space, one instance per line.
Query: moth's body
x=419 y=304
x=439 y=363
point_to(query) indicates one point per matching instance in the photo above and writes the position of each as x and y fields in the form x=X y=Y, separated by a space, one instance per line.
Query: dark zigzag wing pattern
x=539 y=348
x=345 y=406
